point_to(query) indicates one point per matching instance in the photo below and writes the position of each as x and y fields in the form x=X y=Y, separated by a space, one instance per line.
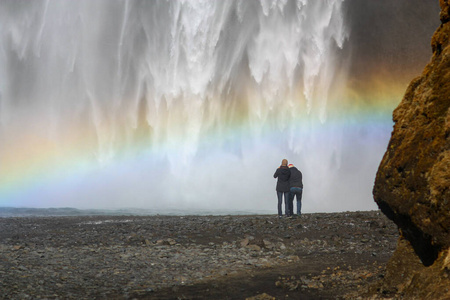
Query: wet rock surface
x=325 y=256
x=412 y=185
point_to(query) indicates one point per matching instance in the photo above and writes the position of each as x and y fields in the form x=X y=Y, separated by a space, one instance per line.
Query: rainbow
x=34 y=167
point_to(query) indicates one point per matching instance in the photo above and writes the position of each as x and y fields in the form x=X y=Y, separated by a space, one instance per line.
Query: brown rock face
x=412 y=186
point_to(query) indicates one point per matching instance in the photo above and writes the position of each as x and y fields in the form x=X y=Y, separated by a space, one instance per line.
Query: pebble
x=102 y=256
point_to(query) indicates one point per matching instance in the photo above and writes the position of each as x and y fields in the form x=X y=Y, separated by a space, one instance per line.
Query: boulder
x=412 y=185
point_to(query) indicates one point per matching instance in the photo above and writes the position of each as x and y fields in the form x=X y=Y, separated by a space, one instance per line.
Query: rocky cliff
x=412 y=186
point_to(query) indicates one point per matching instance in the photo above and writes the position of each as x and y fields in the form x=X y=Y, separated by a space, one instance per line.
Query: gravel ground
x=315 y=256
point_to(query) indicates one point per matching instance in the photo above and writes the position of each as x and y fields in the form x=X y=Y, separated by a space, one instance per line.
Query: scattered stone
x=263 y=296
x=254 y=247
x=145 y=257
x=244 y=242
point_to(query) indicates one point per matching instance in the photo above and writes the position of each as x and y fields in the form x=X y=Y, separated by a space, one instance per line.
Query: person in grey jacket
x=295 y=189
x=283 y=174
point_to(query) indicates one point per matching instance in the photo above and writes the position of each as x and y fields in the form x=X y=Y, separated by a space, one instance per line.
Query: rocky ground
x=317 y=256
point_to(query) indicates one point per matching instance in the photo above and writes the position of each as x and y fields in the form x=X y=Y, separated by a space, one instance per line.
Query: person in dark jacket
x=295 y=188
x=283 y=174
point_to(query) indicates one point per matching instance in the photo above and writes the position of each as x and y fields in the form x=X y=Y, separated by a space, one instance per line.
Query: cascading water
x=178 y=104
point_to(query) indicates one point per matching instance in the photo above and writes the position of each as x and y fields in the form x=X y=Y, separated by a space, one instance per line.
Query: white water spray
x=186 y=104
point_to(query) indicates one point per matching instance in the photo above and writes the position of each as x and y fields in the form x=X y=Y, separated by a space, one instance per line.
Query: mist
x=192 y=105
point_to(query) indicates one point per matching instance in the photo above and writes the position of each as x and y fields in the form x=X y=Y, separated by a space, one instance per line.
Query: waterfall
x=173 y=103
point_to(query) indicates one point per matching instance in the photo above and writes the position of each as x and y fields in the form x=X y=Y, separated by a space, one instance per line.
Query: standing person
x=295 y=188
x=283 y=174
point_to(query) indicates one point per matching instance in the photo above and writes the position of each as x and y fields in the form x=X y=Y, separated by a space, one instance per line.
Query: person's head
x=290 y=165
x=284 y=162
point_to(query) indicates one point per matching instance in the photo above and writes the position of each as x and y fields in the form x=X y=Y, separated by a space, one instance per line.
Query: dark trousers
x=286 y=202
